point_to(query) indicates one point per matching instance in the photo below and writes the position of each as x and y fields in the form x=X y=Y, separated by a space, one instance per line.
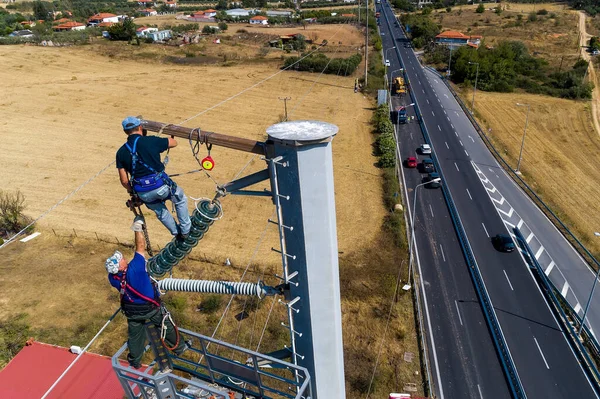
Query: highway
x=546 y=365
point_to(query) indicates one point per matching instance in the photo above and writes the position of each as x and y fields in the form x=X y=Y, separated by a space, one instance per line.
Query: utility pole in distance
x=285 y=100
x=367 y=43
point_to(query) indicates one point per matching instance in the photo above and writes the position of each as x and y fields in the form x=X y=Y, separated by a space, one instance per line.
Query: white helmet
x=112 y=263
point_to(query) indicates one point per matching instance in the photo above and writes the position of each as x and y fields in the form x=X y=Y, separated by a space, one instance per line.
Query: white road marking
x=447 y=145
x=541 y=353
x=549 y=268
x=499 y=202
x=456 y=133
x=431 y=210
x=507 y=279
x=422 y=90
x=539 y=253
x=520 y=223
x=419 y=82
x=509 y=214
x=491 y=170
x=486 y=233
x=445 y=95
x=445 y=112
x=439 y=128
x=565 y=289
x=427 y=101
x=448 y=118
x=466 y=153
x=456 y=166
x=577 y=308
x=432 y=113
x=512 y=226
x=460 y=141
x=442 y=250
x=479 y=389
x=451 y=125
x=458 y=311
x=472 y=139
x=529 y=237
x=469 y=194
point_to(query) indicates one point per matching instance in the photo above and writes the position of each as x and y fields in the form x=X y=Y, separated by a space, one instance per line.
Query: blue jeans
x=155 y=200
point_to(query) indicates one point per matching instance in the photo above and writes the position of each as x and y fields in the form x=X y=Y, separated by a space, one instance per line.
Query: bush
x=543 y=11
x=14 y=332
x=12 y=219
x=532 y=17
x=480 y=9
x=223 y=26
x=210 y=304
x=319 y=62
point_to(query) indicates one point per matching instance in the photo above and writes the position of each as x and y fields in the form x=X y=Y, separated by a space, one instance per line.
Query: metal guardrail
x=234 y=369
x=593 y=343
x=482 y=294
x=549 y=290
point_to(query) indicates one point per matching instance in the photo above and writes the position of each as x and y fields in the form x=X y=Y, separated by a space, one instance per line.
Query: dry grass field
x=60 y=115
x=552 y=36
x=561 y=154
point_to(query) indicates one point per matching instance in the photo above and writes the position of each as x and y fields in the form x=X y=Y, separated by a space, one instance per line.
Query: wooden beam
x=221 y=140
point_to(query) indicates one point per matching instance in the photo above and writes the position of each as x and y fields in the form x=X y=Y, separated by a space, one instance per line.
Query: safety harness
x=149 y=182
x=165 y=313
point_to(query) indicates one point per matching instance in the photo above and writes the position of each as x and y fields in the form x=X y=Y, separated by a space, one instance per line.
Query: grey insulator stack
x=215 y=287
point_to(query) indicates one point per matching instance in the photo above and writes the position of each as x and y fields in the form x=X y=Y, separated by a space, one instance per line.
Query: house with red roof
x=171 y=3
x=259 y=20
x=104 y=17
x=146 y=3
x=69 y=26
x=37 y=366
x=452 y=38
x=210 y=13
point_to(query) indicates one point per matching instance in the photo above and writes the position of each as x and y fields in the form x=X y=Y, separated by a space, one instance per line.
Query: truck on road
x=399 y=86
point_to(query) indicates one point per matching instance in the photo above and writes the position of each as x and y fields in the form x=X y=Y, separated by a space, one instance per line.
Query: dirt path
x=584 y=37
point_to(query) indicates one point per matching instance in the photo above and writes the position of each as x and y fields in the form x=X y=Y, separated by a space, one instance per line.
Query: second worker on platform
x=142 y=173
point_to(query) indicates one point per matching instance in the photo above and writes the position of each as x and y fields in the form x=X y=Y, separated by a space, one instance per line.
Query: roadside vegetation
x=12 y=216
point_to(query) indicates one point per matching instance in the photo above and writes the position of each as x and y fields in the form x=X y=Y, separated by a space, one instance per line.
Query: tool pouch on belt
x=149 y=182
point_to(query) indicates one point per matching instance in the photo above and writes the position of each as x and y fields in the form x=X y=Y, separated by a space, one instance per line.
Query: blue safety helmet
x=130 y=122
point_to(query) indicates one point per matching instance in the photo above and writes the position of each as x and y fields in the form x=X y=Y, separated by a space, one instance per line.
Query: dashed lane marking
x=446 y=144
x=439 y=128
x=507 y=279
x=456 y=167
x=541 y=353
x=458 y=311
x=432 y=113
x=460 y=141
x=468 y=192
x=484 y=229
x=451 y=125
x=466 y=153
x=472 y=139
x=442 y=251
x=427 y=101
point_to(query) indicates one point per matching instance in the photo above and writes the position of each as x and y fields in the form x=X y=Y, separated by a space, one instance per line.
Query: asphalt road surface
x=547 y=366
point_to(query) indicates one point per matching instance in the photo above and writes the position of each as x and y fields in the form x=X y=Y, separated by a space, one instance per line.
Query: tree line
x=319 y=62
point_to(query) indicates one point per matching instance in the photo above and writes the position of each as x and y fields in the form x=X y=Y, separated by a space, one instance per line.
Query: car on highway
x=503 y=243
x=425 y=149
x=427 y=166
x=432 y=180
x=387 y=63
x=411 y=162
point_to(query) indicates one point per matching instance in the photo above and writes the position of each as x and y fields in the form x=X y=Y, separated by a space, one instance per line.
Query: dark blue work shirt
x=136 y=277
x=148 y=149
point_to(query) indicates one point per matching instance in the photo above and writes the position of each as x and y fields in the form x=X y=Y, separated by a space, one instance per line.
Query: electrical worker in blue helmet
x=140 y=300
x=143 y=175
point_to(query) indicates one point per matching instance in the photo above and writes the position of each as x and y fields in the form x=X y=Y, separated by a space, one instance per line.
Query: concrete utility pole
x=475 y=87
x=367 y=43
x=308 y=205
x=300 y=171
x=517 y=171
x=285 y=100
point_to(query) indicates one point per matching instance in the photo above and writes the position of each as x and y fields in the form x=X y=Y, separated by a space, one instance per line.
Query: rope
x=195 y=147
x=266 y=323
x=260 y=82
x=163 y=330
x=81 y=354
x=56 y=205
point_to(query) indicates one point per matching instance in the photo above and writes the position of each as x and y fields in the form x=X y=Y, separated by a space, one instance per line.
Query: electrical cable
x=56 y=205
x=387 y=323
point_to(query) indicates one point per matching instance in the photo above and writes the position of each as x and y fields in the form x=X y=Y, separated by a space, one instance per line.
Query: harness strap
x=125 y=287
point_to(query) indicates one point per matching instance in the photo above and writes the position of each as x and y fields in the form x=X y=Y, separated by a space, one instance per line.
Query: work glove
x=138 y=223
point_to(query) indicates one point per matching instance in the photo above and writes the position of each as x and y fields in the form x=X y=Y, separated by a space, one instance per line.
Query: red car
x=411 y=162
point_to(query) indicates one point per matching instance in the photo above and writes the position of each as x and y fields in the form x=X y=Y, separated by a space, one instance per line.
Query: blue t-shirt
x=136 y=277
x=148 y=149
